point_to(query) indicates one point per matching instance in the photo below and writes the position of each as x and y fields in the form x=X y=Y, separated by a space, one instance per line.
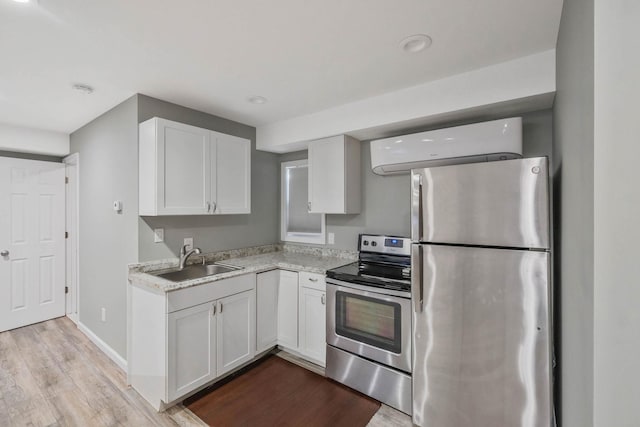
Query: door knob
x=4 y=253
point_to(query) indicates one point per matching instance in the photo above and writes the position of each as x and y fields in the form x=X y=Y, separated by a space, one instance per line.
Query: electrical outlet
x=189 y=242
x=103 y=314
x=332 y=238
x=158 y=235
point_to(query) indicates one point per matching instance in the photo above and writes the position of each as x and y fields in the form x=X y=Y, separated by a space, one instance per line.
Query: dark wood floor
x=279 y=393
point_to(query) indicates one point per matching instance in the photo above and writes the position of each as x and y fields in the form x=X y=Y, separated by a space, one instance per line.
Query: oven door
x=371 y=324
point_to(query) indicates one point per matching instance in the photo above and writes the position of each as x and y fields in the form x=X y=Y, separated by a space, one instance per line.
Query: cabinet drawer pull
x=311 y=279
x=213 y=312
x=221 y=308
x=208 y=207
x=215 y=206
x=323 y=299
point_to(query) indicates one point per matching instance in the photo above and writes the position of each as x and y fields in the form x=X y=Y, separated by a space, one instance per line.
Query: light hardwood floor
x=51 y=374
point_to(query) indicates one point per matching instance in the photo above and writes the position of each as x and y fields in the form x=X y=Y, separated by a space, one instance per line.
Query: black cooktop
x=387 y=276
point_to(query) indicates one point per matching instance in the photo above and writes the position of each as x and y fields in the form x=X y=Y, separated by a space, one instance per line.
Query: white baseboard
x=106 y=349
x=73 y=317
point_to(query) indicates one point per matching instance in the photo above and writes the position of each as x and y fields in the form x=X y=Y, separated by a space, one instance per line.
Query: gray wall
x=223 y=231
x=108 y=148
x=574 y=197
x=386 y=199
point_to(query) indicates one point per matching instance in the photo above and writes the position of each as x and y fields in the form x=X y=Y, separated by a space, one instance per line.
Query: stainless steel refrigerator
x=481 y=294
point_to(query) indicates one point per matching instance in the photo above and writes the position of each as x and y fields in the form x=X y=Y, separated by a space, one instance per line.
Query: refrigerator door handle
x=416 y=206
x=416 y=277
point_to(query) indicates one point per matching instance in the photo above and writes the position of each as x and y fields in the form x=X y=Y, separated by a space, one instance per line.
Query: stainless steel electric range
x=369 y=321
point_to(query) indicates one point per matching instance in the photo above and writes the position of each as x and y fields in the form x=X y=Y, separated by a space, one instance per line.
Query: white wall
x=617 y=214
x=526 y=83
x=35 y=141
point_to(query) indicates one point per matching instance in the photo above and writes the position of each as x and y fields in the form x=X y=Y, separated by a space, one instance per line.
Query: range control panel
x=382 y=244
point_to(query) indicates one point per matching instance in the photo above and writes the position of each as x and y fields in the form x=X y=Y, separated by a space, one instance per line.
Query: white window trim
x=314 y=238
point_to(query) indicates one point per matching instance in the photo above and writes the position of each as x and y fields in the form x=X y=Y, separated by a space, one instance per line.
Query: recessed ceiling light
x=22 y=1
x=86 y=89
x=256 y=99
x=416 y=43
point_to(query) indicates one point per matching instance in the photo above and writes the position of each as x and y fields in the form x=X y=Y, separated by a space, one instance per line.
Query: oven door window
x=369 y=320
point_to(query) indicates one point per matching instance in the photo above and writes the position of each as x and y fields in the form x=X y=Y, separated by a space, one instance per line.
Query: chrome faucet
x=184 y=255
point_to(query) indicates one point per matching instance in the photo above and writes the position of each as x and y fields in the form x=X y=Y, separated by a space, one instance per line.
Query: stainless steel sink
x=194 y=272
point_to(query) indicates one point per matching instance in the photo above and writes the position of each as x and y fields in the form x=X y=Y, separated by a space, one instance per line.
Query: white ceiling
x=304 y=56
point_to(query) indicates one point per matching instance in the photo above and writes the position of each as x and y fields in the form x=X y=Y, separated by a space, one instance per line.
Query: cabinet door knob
x=4 y=253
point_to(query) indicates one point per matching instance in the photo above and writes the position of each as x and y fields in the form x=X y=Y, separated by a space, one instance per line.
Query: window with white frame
x=297 y=224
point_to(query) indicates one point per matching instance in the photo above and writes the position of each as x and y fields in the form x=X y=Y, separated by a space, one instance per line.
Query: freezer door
x=482 y=337
x=503 y=203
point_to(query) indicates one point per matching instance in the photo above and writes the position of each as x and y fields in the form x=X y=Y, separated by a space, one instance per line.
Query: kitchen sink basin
x=194 y=272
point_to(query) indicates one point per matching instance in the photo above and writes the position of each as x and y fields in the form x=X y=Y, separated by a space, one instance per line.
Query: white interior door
x=32 y=243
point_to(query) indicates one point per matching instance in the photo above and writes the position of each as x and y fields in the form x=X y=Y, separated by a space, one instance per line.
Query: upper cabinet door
x=175 y=170
x=334 y=175
x=232 y=174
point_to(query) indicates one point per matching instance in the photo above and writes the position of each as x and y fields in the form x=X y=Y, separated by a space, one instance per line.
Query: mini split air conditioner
x=479 y=142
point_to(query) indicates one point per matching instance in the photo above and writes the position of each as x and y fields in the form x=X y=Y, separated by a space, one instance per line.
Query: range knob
x=366 y=243
x=374 y=243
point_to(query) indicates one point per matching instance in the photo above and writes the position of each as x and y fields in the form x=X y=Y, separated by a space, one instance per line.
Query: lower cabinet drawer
x=312 y=280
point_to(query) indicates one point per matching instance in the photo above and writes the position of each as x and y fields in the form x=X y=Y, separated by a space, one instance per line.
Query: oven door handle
x=416 y=278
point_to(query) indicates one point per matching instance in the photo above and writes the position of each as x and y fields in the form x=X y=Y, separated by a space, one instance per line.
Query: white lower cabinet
x=288 y=310
x=312 y=323
x=209 y=340
x=291 y=312
x=181 y=340
x=236 y=334
x=192 y=349
x=267 y=310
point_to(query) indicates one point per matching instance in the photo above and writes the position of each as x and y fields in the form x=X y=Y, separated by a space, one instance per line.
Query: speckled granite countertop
x=251 y=260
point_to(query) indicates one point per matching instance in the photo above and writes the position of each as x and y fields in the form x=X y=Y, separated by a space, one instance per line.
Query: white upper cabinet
x=334 y=175
x=186 y=170
x=233 y=174
x=175 y=170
